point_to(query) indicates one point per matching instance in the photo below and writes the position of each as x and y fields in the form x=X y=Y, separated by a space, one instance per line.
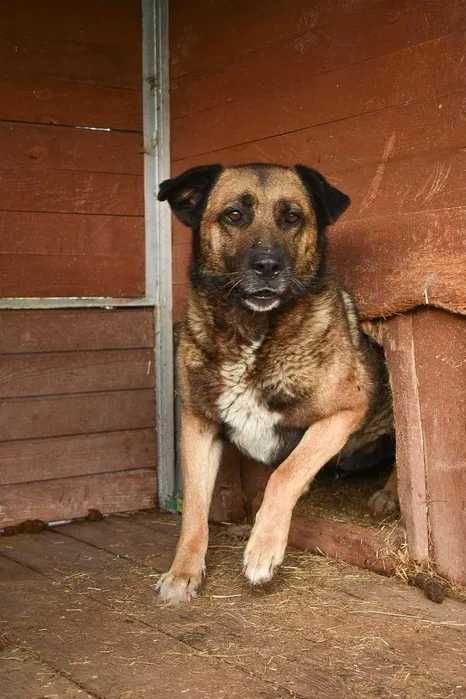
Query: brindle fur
x=296 y=384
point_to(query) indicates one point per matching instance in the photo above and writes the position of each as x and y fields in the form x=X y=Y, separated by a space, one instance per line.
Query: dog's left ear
x=187 y=193
x=328 y=201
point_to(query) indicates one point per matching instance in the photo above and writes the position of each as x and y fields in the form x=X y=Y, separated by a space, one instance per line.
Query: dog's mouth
x=262 y=300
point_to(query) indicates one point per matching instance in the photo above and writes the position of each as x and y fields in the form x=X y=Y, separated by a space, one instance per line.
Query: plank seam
x=69 y=126
x=155 y=627
x=78 y=434
x=74 y=394
x=84 y=474
x=314 y=125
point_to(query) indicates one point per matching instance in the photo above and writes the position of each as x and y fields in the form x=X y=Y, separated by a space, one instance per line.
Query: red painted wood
x=54 y=373
x=68 y=498
x=43 y=254
x=64 y=457
x=33 y=418
x=265 y=101
x=69 y=103
x=72 y=192
x=410 y=457
x=366 y=547
x=27 y=56
x=76 y=330
x=83 y=21
x=440 y=352
x=71 y=276
x=36 y=147
x=342 y=147
x=59 y=67
x=204 y=35
x=394 y=263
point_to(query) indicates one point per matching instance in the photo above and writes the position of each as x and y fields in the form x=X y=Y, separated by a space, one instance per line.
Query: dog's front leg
x=266 y=546
x=201 y=450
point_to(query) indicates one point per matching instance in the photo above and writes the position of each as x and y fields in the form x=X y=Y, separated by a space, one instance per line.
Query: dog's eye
x=233 y=216
x=292 y=217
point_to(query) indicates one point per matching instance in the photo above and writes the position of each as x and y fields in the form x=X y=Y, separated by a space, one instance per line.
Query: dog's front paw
x=264 y=553
x=175 y=588
x=383 y=503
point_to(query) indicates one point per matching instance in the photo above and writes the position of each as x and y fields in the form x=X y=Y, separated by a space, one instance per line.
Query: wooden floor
x=78 y=618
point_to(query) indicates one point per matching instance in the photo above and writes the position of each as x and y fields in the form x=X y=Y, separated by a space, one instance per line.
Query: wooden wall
x=76 y=413
x=71 y=170
x=77 y=406
x=372 y=92
x=426 y=351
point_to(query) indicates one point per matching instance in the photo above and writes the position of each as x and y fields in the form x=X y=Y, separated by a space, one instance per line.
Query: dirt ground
x=78 y=618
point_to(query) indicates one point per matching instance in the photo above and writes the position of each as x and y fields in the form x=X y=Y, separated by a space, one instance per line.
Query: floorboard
x=80 y=600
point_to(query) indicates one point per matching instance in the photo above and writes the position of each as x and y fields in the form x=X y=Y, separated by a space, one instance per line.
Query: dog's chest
x=250 y=422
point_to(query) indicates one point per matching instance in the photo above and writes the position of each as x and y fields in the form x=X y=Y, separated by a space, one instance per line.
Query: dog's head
x=258 y=230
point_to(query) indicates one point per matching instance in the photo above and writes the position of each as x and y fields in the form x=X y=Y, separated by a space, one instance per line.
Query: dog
x=271 y=355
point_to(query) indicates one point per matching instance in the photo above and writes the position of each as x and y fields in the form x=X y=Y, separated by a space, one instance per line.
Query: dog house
x=372 y=93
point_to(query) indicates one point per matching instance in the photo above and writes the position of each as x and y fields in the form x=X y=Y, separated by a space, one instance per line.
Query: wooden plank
x=393 y=263
x=412 y=75
x=228 y=501
x=68 y=498
x=410 y=453
x=36 y=147
x=180 y=295
x=63 y=457
x=32 y=418
x=148 y=541
x=75 y=330
x=424 y=182
x=365 y=547
x=75 y=372
x=342 y=147
x=26 y=56
x=72 y=192
x=439 y=340
x=205 y=629
x=204 y=37
x=123 y=656
x=71 y=255
x=22 y=675
x=71 y=234
x=41 y=276
x=181 y=262
x=82 y=22
x=45 y=101
x=338 y=603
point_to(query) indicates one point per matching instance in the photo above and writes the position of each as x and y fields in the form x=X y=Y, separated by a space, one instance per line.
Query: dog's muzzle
x=265 y=279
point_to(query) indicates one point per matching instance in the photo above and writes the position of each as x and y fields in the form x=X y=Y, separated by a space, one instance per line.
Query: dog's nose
x=267 y=266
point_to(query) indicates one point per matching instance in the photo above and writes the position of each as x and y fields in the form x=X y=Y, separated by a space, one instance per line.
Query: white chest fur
x=250 y=422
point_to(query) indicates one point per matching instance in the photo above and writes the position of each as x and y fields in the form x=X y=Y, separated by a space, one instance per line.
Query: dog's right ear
x=187 y=193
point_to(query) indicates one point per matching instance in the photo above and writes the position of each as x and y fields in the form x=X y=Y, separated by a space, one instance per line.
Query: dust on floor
x=78 y=618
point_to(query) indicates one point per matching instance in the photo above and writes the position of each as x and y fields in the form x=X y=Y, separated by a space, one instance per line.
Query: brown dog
x=271 y=356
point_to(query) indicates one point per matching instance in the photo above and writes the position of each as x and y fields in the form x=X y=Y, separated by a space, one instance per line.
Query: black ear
x=328 y=201
x=187 y=193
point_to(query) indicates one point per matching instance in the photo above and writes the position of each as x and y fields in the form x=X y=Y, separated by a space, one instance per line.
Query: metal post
x=158 y=231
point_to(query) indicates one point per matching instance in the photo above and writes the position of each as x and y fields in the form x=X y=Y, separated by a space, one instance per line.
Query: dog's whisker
x=298 y=284
x=233 y=287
